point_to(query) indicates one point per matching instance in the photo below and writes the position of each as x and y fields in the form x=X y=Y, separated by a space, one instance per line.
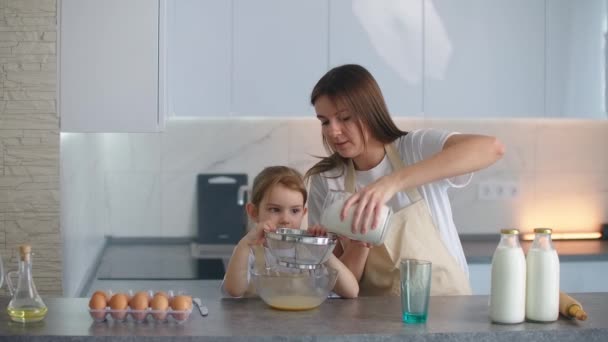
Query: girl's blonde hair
x=353 y=86
x=273 y=175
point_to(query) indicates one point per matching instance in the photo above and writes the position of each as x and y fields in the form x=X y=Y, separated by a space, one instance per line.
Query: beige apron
x=411 y=235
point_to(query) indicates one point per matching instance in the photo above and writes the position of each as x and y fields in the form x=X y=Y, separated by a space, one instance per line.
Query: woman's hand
x=319 y=230
x=368 y=203
x=256 y=235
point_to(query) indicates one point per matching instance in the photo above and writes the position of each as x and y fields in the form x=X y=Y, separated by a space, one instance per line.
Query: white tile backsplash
x=84 y=220
x=572 y=146
x=304 y=143
x=149 y=183
x=131 y=152
x=133 y=202
x=223 y=145
x=475 y=216
x=571 y=201
x=518 y=135
x=178 y=204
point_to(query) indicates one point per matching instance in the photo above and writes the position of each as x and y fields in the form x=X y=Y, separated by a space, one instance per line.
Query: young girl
x=278 y=200
x=410 y=172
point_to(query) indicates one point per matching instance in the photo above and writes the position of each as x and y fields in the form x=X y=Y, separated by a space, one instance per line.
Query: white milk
x=508 y=285
x=330 y=219
x=542 y=294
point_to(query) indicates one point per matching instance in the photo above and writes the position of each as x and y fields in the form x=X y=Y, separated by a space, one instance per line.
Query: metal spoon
x=201 y=308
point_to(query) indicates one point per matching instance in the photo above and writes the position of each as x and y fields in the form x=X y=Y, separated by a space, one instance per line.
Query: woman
x=410 y=172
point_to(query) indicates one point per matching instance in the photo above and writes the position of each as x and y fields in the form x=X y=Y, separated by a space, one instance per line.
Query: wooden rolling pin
x=570 y=307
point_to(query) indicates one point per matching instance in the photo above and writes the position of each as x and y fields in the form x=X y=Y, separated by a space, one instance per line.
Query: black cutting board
x=221 y=219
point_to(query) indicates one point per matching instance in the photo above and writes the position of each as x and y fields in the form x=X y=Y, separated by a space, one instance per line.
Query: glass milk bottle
x=330 y=219
x=26 y=305
x=542 y=287
x=508 y=284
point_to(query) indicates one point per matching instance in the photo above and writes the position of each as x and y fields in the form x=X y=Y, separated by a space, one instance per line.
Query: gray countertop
x=463 y=318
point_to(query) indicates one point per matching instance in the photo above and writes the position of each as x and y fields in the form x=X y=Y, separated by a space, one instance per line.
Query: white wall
x=84 y=223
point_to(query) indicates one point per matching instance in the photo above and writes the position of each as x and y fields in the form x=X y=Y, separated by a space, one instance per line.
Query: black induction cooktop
x=157 y=262
x=203 y=269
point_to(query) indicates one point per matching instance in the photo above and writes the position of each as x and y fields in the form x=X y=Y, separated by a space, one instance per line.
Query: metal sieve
x=297 y=248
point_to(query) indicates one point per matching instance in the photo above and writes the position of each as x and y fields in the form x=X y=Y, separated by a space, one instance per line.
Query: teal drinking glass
x=415 y=290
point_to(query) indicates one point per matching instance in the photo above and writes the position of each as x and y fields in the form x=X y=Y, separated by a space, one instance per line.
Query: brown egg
x=159 y=305
x=181 y=304
x=98 y=305
x=119 y=303
x=139 y=305
x=102 y=293
x=161 y=293
x=142 y=293
x=139 y=297
x=98 y=301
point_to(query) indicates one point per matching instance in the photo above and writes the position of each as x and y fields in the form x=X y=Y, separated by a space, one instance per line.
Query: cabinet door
x=386 y=38
x=109 y=66
x=280 y=52
x=200 y=46
x=493 y=58
x=576 y=59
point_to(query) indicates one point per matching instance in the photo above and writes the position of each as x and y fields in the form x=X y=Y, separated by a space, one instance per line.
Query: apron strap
x=396 y=162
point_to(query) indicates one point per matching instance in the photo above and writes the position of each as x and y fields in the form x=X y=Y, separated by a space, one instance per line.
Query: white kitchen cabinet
x=109 y=66
x=492 y=63
x=386 y=38
x=576 y=58
x=280 y=51
x=200 y=46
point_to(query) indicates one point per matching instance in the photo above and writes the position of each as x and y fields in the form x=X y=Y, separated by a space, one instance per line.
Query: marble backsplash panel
x=150 y=179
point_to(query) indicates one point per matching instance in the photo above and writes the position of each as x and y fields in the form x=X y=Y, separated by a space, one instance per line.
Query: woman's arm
x=461 y=154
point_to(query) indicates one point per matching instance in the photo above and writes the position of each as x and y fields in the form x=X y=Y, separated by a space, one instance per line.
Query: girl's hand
x=256 y=235
x=317 y=230
x=368 y=203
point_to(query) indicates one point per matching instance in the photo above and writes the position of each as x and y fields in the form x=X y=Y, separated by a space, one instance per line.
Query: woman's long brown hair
x=353 y=86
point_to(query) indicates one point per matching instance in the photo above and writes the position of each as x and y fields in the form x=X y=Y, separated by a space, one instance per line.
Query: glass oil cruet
x=26 y=305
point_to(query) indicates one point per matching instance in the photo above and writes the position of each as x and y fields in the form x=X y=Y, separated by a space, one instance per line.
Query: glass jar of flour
x=330 y=219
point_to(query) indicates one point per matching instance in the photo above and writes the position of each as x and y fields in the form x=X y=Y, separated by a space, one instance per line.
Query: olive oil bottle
x=26 y=305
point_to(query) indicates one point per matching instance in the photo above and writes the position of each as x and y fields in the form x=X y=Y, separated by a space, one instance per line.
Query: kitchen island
x=461 y=318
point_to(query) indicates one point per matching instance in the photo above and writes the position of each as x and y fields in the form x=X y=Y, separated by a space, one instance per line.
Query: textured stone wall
x=29 y=138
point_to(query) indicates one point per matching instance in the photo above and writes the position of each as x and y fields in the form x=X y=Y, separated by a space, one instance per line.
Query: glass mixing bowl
x=294 y=289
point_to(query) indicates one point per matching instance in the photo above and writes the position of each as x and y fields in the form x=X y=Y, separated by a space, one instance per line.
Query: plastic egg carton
x=141 y=316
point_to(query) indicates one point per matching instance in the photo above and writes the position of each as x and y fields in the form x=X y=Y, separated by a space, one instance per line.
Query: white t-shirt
x=413 y=147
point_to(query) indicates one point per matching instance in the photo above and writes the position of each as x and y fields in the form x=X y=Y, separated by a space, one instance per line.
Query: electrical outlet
x=497 y=190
